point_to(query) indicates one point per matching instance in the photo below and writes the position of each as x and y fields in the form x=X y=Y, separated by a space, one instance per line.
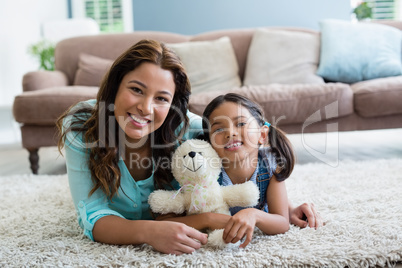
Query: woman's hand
x=241 y=224
x=305 y=214
x=175 y=238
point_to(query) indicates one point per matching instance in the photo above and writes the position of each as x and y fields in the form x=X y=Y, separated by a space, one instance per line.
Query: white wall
x=20 y=26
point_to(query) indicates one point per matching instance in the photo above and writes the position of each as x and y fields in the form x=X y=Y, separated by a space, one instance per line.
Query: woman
x=118 y=150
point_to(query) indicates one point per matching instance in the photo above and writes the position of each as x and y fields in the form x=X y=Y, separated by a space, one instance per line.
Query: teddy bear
x=196 y=167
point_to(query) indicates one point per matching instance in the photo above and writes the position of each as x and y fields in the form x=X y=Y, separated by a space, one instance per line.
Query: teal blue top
x=131 y=201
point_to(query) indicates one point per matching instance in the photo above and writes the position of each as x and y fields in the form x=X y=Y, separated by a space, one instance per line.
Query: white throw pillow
x=210 y=65
x=285 y=57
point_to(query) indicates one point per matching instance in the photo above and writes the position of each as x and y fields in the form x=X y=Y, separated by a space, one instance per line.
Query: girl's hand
x=305 y=214
x=240 y=225
x=175 y=238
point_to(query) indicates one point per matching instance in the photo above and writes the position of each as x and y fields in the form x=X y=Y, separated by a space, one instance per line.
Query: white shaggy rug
x=360 y=201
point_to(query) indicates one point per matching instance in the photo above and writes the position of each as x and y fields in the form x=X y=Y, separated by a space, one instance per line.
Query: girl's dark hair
x=104 y=157
x=280 y=146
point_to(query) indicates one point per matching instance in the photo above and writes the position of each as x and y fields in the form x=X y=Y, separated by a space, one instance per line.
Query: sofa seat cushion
x=287 y=104
x=378 y=97
x=43 y=107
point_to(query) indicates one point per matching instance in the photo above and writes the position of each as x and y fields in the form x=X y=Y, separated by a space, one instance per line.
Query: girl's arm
x=274 y=222
x=219 y=221
x=167 y=237
x=305 y=215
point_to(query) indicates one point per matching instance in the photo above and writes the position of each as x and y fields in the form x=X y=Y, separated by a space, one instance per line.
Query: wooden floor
x=323 y=147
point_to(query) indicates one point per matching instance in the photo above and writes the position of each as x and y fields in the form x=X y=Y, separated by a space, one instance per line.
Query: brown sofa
x=296 y=108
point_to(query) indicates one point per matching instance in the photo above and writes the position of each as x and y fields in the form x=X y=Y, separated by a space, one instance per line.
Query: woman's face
x=143 y=100
x=234 y=132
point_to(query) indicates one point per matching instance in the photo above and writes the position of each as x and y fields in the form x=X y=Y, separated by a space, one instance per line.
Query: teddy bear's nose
x=191 y=154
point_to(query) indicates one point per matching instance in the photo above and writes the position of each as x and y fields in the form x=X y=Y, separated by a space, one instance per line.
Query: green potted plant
x=44 y=52
x=363 y=11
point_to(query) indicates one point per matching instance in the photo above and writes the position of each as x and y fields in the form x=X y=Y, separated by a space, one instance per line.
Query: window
x=111 y=15
x=107 y=13
x=382 y=9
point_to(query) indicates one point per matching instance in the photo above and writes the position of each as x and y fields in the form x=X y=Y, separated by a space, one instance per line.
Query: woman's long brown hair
x=280 y=145
x=104 y=156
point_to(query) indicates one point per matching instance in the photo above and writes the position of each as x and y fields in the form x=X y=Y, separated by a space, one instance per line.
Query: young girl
x=250 y=149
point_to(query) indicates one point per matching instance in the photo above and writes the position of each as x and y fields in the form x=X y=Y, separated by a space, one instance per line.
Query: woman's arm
x=167 y=237
x=103 y=224
x=199 y=221
x=274 y=222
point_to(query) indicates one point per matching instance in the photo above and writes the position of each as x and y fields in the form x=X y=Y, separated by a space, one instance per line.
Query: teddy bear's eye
x=200 y=153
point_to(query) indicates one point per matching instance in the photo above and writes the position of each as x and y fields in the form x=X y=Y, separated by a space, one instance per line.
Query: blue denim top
x=261 y=177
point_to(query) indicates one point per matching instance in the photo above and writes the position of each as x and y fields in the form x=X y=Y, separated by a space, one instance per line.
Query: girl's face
x=143 y=100
x=235 y=133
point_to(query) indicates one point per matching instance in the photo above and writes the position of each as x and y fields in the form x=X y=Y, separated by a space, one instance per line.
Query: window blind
x=384 y=9
x=107 y=13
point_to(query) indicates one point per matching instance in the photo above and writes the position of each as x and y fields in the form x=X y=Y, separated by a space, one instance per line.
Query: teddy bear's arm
x=242 y=195
x=161 y=201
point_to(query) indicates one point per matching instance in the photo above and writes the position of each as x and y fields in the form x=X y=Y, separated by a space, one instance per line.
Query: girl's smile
x=233 y=145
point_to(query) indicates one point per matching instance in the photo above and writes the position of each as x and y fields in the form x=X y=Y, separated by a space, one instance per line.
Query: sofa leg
x=34 y=160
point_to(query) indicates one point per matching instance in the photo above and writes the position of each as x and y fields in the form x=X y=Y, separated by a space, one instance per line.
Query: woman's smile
x=143 y=100
x=138 y=121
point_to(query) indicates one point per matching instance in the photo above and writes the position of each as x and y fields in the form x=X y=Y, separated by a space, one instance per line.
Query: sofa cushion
x=240 y=39
x=91 y=70
x=378 y=97
x=285 y=57
x=210 y=65
x=296 y=102
x=355 y=52
x=43 y=107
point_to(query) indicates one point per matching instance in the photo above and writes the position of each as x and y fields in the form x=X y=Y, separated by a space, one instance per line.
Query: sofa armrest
x=394 y=23
x=43 y=79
